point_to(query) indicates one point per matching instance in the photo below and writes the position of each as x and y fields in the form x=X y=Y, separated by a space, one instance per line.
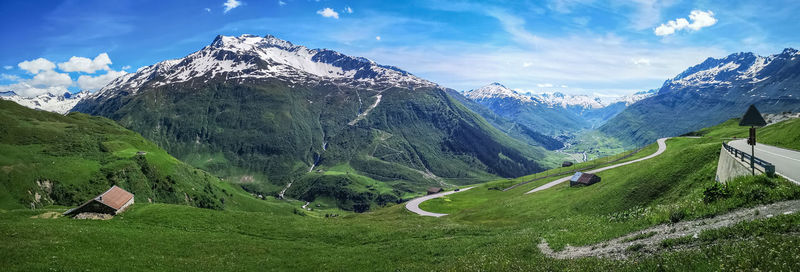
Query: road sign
x=752 y=118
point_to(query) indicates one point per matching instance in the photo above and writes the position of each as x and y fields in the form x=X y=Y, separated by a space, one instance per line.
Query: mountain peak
x=495 y=90
x=250 y=57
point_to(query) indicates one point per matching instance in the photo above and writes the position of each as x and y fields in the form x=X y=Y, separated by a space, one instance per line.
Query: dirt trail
x=617 y=248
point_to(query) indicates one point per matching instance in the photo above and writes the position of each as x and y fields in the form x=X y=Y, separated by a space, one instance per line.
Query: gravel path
x=617 y=248
x=413 y=205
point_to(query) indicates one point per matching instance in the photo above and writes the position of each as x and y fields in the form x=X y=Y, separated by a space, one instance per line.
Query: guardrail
x=769 y=168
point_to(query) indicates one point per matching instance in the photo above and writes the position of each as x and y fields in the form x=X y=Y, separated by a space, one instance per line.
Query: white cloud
x=9 y=77
x=641 y=61
x=348 y=10
x=231 y=4
x=8 y=67
x=37 y=65
x=86 y=65
x=50 y=78
x=378 y=38
x=700 y=19
x=126 y=67
x=527 y=64
x=544 y=85
x=328 y=13
x=281 y=3
x=90 y=83
x=47 y=81
x=207 y=10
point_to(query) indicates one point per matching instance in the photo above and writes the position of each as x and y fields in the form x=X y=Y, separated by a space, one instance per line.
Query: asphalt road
x=413 y=205
x=662 y=146
x=787 y=162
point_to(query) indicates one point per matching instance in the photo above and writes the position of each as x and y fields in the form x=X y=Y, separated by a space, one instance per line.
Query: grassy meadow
x=487 y=229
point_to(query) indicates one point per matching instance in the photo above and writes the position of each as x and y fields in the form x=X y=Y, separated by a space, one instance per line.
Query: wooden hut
x=434 y=190
x=583 y=179
x=112 y=201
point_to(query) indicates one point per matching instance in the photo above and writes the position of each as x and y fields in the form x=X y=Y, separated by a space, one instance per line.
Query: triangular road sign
x=752 y=118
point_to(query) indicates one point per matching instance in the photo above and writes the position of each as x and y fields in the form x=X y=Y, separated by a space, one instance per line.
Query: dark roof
x=586 y=178
x=752 y=118
x=434 y=189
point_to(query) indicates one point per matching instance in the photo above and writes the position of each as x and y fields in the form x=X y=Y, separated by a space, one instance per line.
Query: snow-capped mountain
x=249 y=57
x=552 y=114
x=735 y=68
x=278 y=110
x=554 y=99
x=61 y=103
x=712 y=92
x=558 y=99
x=497 y=90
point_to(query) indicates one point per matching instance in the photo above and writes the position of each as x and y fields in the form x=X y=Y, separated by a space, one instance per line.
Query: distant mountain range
x=712 y=92
x=551 y=113
x=290 y=121
x=58 y=103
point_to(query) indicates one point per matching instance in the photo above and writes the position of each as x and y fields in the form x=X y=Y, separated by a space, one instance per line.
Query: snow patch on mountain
x=58 y=103
x=253 y=57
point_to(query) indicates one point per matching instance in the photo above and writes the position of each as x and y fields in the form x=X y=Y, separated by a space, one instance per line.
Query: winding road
x=662 y=146
x=413 y=205
x=787 y=162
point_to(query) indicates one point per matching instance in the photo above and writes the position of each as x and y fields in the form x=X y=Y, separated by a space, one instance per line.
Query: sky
x=573 y=46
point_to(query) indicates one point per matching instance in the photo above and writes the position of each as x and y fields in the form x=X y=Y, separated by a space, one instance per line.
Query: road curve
x=662 y=146
x=413 y=205
x=787 y=162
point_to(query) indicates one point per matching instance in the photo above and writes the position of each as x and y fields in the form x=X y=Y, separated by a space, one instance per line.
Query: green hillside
x=488 y=230
x=267 y=134
x=50 y=159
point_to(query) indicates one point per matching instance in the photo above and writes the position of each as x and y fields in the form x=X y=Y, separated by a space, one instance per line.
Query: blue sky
x=573 y=46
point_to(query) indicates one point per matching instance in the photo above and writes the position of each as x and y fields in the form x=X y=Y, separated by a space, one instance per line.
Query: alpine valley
x=281 y=119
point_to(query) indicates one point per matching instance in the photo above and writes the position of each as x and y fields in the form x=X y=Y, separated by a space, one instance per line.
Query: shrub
x=715 y=192
x=676 y=216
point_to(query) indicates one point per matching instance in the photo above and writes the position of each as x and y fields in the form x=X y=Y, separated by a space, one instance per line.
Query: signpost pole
x=753 y=152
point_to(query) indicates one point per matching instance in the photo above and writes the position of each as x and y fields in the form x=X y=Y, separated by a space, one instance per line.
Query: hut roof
x=115 y=197
x=586 y=178
x=434 y=190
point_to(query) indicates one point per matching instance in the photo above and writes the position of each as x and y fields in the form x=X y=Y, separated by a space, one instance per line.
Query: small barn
x=434 y=190
x=583 y=179
x=112 y=201
x=566 y=164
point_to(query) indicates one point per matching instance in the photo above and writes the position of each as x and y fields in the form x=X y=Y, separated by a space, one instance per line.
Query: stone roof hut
x=112 y=201
x=434 y=190
x=583 y=179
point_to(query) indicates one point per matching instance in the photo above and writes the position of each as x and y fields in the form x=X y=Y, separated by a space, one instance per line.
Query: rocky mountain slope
x=290 y=121
x=712 y=92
